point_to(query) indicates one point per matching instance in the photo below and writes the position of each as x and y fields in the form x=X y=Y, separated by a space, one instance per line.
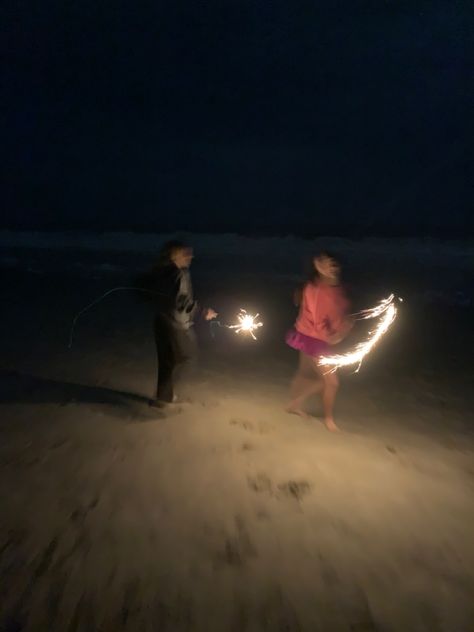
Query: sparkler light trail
x=387 y=310
x=246 y=324
x=376 y=311
x=98 y=300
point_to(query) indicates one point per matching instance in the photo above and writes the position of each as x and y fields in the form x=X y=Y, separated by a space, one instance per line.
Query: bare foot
x=294 y=410
x=331 y=426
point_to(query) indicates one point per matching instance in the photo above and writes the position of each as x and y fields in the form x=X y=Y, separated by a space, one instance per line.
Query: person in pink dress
x=323 y=321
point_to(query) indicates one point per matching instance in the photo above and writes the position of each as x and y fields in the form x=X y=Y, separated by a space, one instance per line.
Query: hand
x=210 y=314
x=335 y=339
x=339 y=336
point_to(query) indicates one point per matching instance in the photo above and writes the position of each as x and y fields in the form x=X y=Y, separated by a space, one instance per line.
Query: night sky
x=273 y=116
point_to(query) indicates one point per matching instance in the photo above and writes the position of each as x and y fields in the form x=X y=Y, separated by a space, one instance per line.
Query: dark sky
x=271 y=116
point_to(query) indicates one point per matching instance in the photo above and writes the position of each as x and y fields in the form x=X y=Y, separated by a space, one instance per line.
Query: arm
x=344 y=328
x=164 y=281
x=341 y=322
x=204 y=312
x=186 y=302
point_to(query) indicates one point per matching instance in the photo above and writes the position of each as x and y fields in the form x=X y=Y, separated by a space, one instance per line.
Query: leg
x=166 y=361
x=330 y=388
x=306 y=382
x=301 y=378
x=185 y=353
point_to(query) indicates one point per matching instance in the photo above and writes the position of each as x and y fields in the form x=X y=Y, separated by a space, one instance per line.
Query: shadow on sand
x=24 y=388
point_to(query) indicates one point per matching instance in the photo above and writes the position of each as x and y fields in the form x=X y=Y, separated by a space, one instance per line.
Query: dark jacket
x=172 y=295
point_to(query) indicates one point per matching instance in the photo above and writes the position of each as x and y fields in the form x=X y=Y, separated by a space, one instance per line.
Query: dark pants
x=175 y=348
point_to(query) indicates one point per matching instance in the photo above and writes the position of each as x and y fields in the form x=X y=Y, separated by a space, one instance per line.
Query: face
x=182 y=258
x=327 y=268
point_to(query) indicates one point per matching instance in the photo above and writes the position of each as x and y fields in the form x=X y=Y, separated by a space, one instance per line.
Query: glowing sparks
x=246 y=323
x=378 y=310
x=387 y=312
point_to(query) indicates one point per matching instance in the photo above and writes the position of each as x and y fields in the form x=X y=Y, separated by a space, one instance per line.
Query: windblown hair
x=167 y=250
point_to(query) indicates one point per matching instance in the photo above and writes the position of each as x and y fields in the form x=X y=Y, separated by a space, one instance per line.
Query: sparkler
x=387 y=310
x=246 y=324
x=376 y=311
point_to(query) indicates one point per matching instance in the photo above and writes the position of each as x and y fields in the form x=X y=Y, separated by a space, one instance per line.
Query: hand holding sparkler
x=210 y=314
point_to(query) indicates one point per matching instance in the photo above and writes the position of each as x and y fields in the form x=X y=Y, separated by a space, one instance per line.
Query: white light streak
x=387 y=312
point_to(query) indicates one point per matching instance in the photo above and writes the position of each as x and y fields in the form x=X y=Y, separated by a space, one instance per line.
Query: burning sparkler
x=387 y=310
x=246 y=324
x=376 y=311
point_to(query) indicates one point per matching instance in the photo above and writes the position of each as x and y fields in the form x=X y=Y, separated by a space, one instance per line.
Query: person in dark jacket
x=170 y=281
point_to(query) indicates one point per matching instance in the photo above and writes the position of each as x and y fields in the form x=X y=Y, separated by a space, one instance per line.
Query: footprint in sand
x=294 y=490
x=243 y=423
x=260 y=484
x=80 y=513
x=262 y=514
x=260 y=427
x=276 y=613
x=238 y=548
x=59 y=443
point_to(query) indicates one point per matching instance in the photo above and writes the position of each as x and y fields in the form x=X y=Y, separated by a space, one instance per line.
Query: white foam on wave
x=229 y=243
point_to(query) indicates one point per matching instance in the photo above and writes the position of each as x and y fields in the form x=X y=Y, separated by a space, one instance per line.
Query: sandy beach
x=224 y=513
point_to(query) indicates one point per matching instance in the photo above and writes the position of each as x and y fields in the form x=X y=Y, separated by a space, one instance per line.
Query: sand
x=225 y=513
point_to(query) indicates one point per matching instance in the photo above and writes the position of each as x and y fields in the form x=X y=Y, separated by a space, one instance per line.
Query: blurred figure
x=322 y=321
x=175 y=312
